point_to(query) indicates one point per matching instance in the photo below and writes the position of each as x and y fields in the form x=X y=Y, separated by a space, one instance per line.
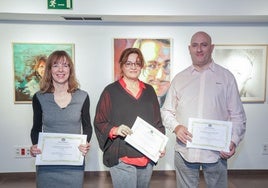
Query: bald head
x=203 y=34
x=201 y=50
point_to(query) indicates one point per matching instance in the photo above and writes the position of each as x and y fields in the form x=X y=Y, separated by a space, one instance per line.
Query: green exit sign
x=59 y=4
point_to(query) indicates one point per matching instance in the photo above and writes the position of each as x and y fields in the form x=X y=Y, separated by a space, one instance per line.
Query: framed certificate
x=210 y=134
x=147 y=139
x=60 y=149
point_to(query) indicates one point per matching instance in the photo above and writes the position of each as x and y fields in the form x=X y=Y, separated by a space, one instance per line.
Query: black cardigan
x=116 y=107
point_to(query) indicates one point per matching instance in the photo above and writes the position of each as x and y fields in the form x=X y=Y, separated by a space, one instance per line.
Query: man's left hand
x=227 y=155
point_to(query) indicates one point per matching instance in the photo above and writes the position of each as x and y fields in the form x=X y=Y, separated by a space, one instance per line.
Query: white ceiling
x=60 y=18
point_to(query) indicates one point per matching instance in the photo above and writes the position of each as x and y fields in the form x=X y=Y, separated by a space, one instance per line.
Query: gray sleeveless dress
x=61 y=120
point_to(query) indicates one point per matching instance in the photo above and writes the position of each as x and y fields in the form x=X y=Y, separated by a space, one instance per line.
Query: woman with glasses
x=60 y=107
x=119 y=105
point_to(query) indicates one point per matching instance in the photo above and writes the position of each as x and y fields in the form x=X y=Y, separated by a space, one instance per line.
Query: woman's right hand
x=123 y=130
x=34 y=150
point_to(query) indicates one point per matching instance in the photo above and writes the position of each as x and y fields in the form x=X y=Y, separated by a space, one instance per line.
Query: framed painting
x=29 y=61
x=248 y=65
x=157 y=55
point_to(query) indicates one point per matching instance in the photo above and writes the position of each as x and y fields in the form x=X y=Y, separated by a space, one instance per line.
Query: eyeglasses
x=63 y=65
x=129 y=64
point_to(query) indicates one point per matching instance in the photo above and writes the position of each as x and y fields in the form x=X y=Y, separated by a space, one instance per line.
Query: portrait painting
x=248 y=65
x=29 y=61
x=157 y=55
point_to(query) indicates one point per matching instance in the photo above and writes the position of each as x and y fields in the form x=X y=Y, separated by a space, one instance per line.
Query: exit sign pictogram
x=59 y=4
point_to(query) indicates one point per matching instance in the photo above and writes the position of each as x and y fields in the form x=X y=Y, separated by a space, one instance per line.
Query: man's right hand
x=183 y=134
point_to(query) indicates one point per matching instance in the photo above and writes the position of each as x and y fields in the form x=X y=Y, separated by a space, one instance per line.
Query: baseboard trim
x=248 y=172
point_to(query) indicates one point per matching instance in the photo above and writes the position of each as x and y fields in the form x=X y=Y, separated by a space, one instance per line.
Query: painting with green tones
x=29 y=64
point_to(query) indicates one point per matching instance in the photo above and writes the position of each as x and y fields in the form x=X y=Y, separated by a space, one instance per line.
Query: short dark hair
x=124 y=56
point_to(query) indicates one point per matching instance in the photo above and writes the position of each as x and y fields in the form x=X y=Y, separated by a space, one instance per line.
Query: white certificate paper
x=147 y=139
x=60 y=149
x=210 y=134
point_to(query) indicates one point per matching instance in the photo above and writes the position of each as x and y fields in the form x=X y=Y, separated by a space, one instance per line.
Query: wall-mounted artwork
x=29 y=64
x=157 y=55
x=248 y=65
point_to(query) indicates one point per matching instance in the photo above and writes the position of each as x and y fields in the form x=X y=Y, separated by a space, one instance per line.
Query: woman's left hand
x=84 y=148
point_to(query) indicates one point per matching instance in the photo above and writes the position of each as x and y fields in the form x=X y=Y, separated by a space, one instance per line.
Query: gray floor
x=160 y=179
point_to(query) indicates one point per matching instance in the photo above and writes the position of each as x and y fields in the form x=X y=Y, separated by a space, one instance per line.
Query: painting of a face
x=29 y=67
x=248 y=65
x=156 y=53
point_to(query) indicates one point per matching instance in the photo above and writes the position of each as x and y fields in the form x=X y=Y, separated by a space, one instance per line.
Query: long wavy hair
x=46 y=84
x=37 y=61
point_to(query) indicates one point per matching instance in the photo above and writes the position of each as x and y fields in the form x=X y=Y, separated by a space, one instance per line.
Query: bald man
x=206 y=91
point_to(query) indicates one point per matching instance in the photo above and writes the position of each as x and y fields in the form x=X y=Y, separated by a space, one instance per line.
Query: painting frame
x=248 y=63
x=26 y=56
x=157 y=53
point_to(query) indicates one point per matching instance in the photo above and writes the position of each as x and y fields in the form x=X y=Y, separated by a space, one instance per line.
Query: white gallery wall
x=94 y=67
